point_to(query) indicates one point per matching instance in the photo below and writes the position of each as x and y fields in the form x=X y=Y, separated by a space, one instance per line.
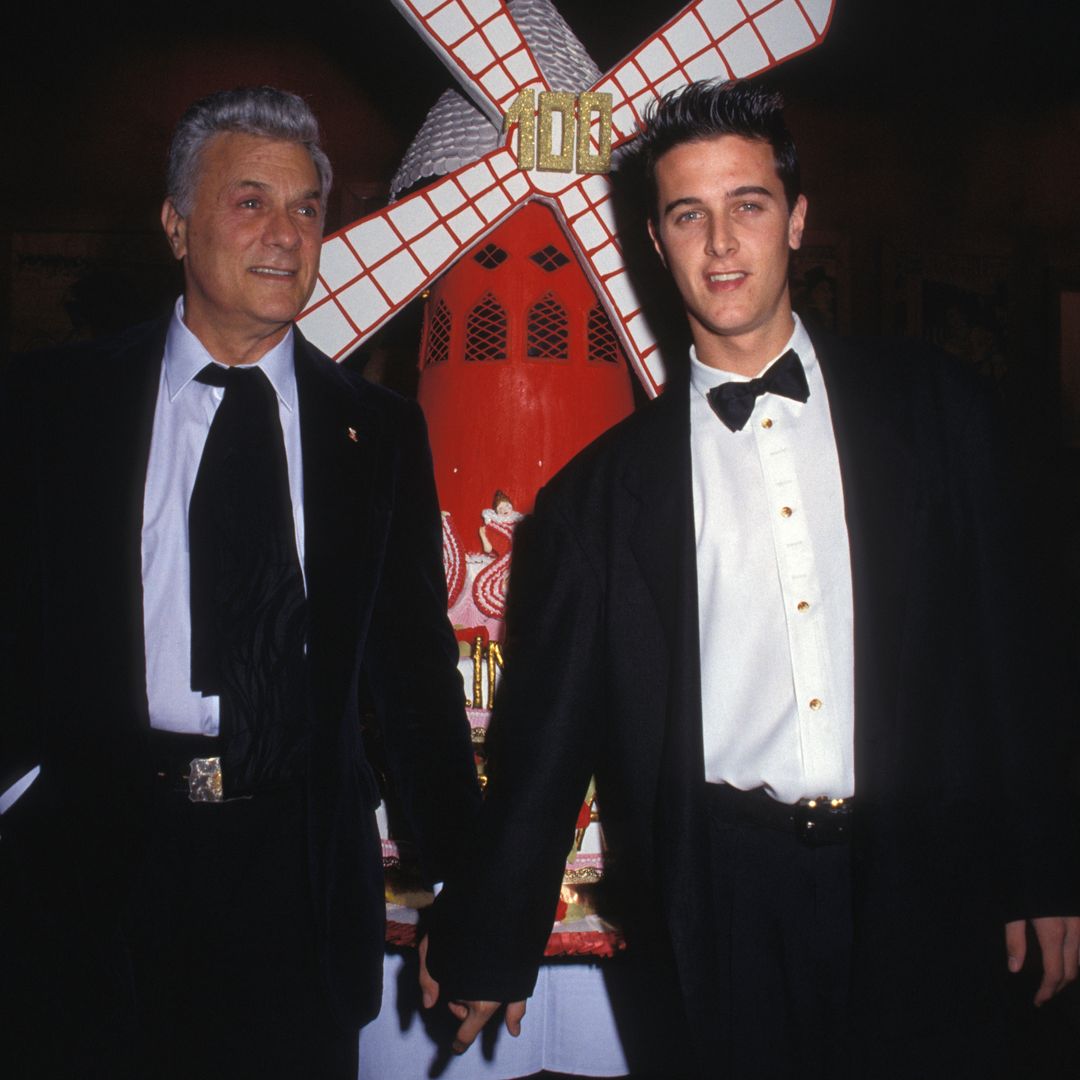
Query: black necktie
x=248 y=609
x=733 y=402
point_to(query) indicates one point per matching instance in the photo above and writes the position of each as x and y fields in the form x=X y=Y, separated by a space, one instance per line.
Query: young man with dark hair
x=775 y=612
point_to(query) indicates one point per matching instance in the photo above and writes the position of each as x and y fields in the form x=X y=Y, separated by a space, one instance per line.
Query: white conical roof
x=455 y=132
x=562 y=58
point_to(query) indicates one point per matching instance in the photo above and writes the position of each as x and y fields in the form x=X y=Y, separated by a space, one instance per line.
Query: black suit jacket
x=957 y=757
x=76 y=439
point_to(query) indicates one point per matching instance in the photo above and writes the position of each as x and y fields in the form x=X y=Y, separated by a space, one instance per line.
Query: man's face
x=725 y=233
x=250 y=244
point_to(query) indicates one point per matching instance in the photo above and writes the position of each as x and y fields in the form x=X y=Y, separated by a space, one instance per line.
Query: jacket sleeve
x=493 y=918
x=411 y=665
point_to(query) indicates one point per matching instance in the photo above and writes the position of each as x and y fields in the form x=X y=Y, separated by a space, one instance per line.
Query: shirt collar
x=703 y=377
x=186 y=356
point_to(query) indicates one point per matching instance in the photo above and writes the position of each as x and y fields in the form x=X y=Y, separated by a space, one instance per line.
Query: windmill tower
x=531 y=316
x=520 y=366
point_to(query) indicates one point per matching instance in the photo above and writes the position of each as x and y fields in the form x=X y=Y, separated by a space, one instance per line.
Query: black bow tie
x=733 y=402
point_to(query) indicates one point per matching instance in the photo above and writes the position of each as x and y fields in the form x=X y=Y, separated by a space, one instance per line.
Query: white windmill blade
x=708 y=39
x=589 y=218
x=375 y=266
x=482 y=46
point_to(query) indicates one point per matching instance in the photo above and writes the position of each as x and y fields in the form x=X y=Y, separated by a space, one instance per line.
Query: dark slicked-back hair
x=250 y=110
x=705 y=110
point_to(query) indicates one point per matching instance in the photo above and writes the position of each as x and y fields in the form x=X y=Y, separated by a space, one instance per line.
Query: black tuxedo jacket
x=958 y=791
x=76 y=435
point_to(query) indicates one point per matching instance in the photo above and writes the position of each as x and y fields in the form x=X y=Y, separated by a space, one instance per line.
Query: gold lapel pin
x=352 y=434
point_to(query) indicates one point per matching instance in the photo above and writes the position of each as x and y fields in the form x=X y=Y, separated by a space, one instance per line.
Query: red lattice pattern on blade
x=479 y=42
x=375 y=266
x=589 y=215
x=729 y=39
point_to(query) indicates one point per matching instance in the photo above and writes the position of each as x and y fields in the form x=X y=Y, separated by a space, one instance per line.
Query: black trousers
x=779 y=958
x=783 y=936
x=220 y=935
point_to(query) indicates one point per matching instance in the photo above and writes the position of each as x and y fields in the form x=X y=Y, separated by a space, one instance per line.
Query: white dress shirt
x=182 y=418
x=774 y=591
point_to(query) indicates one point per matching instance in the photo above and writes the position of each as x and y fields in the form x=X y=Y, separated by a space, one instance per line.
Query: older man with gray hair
x=226 y=556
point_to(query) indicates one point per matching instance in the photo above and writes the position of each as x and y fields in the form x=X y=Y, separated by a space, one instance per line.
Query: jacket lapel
x=344 y=515
x=132 y=388
x=662 y=538
x=658 y=479
x=871 y=422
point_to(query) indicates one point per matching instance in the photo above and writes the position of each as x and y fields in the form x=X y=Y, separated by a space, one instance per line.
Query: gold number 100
x=574 y=148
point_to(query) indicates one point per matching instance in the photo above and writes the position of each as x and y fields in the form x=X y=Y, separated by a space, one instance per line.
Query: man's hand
x=1059 y=941
x=472 y=1014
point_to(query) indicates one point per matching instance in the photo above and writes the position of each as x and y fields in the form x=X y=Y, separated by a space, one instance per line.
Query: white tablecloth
x=568 y=1028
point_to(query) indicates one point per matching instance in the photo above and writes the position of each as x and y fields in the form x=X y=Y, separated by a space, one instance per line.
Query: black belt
x=814 y=822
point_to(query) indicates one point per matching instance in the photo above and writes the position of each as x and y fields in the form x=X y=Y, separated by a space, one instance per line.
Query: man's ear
x=797 y=223
x=654 y=236
x=175 y=227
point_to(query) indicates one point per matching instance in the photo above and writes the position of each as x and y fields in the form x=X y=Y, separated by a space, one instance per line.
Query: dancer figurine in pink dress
x=496 y=537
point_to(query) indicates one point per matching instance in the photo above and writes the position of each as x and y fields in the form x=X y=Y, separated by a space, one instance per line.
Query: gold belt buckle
x=204 y=780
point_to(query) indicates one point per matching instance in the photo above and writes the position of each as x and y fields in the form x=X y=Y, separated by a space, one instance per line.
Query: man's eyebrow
x=260 y=185
x=686 y=200
x=750 y=189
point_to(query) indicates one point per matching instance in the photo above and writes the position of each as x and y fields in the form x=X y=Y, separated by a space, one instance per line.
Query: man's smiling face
x=250 y=243
x=725 y=232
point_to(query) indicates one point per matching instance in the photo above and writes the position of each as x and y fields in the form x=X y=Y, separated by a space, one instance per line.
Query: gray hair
x=257 y=110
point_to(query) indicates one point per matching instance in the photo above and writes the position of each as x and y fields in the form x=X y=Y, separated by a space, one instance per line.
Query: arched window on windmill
x=604 y=345
x=486 y=330
x=547 y=330
x=437 y=329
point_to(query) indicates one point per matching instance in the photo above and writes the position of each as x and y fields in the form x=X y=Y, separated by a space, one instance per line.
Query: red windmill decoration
x=520 y=368
x=375 y=266
x=531 y=315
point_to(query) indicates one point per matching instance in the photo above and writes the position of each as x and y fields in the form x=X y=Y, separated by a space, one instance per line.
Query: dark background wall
x=940 y=146
x=939 y=141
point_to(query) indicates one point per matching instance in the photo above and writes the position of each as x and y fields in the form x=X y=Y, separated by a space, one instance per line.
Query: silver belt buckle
x=204 y=780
